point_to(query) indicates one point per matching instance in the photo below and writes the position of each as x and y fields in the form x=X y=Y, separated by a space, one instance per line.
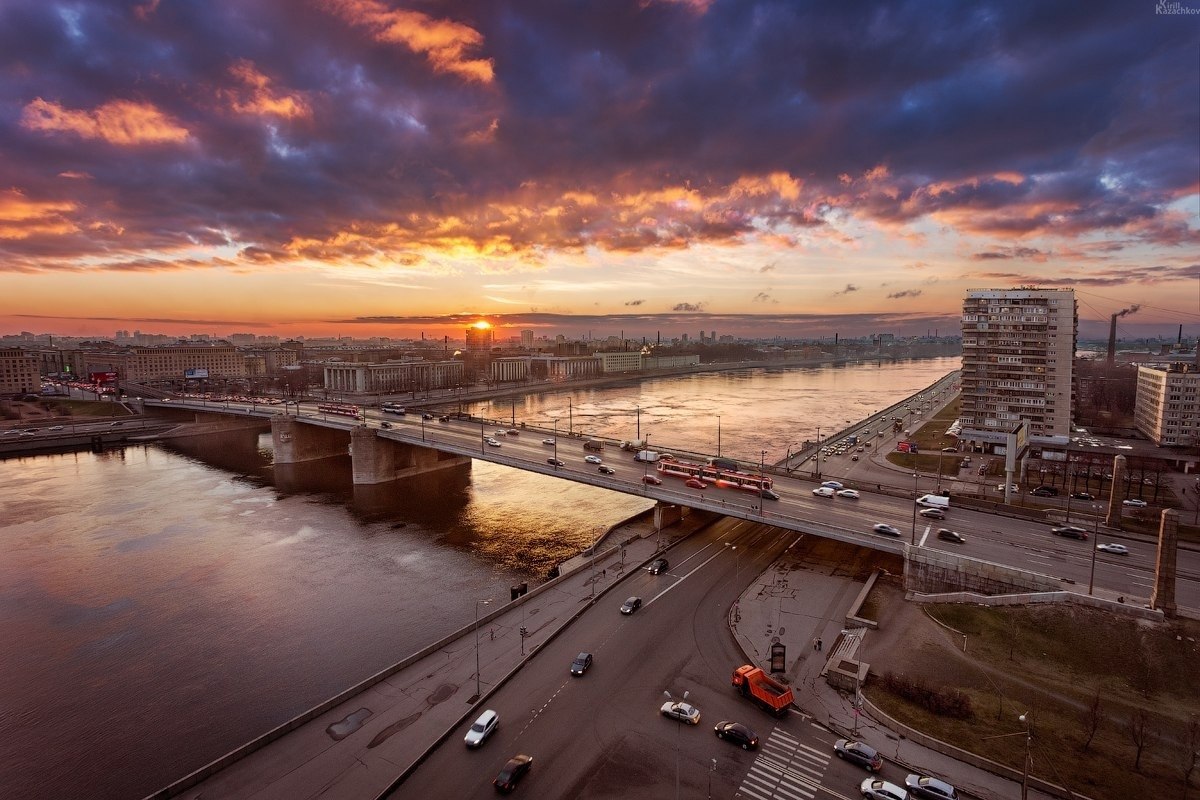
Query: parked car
x=850 y=493
x=949 y=449
x=653 y=480
x=556 y=462
x=824 y=491
x=878 y=789
x=658 y=566
x=482 y=728
x=631 y=605
x=681 y=712
x=512 y=772
x=581 y=663
x=951 y=536
x=737 y=733
x=1134 y=503
x=1115 y=549
x=932 y=513
x=924 y=787
x=695 y=483
x=858 y=753
x=604 y=469
x=1083 y=496
x=885 y=529
x=593 y=459
x=1070 y=531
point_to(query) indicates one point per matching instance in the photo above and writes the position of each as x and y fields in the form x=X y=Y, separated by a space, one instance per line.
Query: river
x=161 y=605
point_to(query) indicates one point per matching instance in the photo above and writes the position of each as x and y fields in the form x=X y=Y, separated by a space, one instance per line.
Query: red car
x=695 y=483
x=653 y=480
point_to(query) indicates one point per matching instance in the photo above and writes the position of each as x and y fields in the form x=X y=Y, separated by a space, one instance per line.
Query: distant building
x=622 y=361
x=478 y=353
x=527 y=340
x=19 y=372
x=1018 y=351
x=1167 y=409
x=392 y=377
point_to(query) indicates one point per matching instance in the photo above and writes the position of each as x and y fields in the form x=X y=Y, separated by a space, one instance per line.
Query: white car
x=851 y=493
x=833 y=485
x=885 y=529
x=1012 y=487
x=878 y=789
x=932 y=513
x=593 y=459
x=824 y=491
x=1110 y=547
x=483 y=727
x=492 y=442
x=683 y=712
x=548 y=440
x=1135 y=503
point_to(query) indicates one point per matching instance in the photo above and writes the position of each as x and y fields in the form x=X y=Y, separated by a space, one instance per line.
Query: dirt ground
x=1052 y=661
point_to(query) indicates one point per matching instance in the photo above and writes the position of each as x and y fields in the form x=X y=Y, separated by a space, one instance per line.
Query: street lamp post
x=678 y=725
x=556 y=444
x=481 y=435
x=478 y=689
x=422 y=427
x=593 y=581
x=570 y=418
x=638 y=435
x=718 y=435
x=1095 y=535
x=914 y=510
x=1025 y=770
x=762 y=463
x=818 y=452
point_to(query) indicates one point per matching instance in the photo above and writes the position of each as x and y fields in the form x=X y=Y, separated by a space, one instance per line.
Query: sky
x=381 y=168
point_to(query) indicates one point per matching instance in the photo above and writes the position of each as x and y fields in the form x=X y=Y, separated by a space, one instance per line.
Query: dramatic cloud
x=697 y=307
x=850 y=287
x=906 y=293
x=117 y=122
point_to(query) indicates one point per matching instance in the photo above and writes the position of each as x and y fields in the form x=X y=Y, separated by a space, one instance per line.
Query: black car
x=604 y=469
x=512 y=773
x=951 y=536
x=856 y=752
x=1070 y=531
x=581 y=663
x=631 y=605
x=658 y=566
x=737 y=733
x=768 y=494
x=427 y=416
x=1045 y=491
x=555 y=462
x=1083 y=496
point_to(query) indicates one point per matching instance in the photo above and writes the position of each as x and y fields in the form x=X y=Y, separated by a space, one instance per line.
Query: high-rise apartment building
x=19 y=372
x=1018 y=352
x=1167 y=409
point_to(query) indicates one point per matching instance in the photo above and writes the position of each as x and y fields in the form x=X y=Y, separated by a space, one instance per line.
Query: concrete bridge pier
x=666 y=515
x=296 y=442
x=377 y=459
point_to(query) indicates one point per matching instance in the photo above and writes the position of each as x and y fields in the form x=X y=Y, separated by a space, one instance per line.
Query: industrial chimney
x=1112 y=332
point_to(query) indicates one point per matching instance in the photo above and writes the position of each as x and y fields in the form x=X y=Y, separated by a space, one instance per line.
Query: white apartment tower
x=1018 y=353
x=1167 y=409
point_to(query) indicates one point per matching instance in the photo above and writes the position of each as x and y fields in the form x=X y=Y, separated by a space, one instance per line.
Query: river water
x=162 y=605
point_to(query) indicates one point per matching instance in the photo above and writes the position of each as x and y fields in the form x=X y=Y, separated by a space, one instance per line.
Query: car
x=492 y=442
x=653 y=480
x=951 y=536
x=695 y=483
x=885 y=529
x=555 y=462
x=427 y=416
x=824 y=491
x=851 y=493
x=513 y=432
x=1083 y=496
x=924 y=787
x=854 y=458
x=482 y=728
x=737 y=733
x=658 y=566
x=1012 y=487
x=631 y=605
x=512 y=772
x=500 y=432
x=1134 y=503
x=949 y=449
x=768 y=494
x=879 y=789
x=385 y=424
x=593 y=459
x=1115 y=549
x=860 y=449
x=681 y=712
x=1045 y=491
x=932 y=513
x=548 y=440
x=604 y=469
x=581 y=663
x=858 y=753
x=444 y=418
x=834 y=485
x=55 y=428
x=1070 y=531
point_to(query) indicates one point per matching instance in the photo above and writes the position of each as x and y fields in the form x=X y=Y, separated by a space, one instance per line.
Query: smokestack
x=1179 y=339
x=1112 y=332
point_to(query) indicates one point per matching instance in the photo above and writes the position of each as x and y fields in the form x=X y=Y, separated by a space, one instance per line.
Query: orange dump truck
x=760 y=687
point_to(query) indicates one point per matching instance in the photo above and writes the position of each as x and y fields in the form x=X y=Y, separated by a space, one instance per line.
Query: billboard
x=102 y=377
x=195 y=374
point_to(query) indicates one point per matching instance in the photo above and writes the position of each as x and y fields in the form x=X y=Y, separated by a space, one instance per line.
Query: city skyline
x=361 y=168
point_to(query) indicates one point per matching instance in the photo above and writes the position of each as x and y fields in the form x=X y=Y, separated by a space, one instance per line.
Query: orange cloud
x=120 y=122
x=21 y=218
x=443 y=42
x=258 y=98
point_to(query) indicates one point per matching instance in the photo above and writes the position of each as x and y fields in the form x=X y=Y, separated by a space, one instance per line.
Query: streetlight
x=593 y=581
x=737 y=562
x=1095 y=536
x=478 y=689
x=570 y=418
x=1025 y=772
x=678 y=725
x=711 y=770
x=914 y=512
x=422 y=427
x=481 y=435
x=556 y=444
x=762 y=461
x=818 y=452
x=718 y=435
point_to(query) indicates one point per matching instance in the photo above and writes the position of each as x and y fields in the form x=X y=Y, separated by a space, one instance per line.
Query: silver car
x=878 y=789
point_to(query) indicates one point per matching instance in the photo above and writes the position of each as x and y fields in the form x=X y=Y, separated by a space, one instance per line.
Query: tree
x=1092 y=717
x=1139 y=730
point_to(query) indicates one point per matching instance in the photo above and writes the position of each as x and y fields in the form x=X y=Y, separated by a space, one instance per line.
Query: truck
x=760 y=688
x=852 y=439
x=647 y=456
x=593 y=444
x=636 y=444
x=934 y=501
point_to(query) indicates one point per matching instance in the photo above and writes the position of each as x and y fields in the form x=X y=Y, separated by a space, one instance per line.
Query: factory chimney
x=1112 y=332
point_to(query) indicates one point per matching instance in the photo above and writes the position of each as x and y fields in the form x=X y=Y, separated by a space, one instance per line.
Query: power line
x=1142 y=305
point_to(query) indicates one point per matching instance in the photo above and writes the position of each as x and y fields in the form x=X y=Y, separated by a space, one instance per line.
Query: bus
x=393 y=408
x=715 y=474
x=344 y=409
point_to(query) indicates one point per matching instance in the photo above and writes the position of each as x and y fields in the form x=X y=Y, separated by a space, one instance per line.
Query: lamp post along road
x=914 y=509
x=1095 y=536
x=718 y=435
x=478 y=688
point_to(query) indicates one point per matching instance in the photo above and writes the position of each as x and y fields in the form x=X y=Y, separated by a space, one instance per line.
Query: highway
x=601 y=735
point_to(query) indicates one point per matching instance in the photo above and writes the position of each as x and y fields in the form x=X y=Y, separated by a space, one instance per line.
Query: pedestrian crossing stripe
x=784 y=769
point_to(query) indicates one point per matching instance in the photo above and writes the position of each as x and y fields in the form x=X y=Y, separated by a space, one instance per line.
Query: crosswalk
x=785 y=769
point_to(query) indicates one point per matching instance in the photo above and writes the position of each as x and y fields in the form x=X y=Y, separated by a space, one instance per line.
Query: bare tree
x=1141 y=733
x=1093 y=715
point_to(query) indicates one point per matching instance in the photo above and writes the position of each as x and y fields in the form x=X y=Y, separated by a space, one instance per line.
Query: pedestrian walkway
x=785 y=767
x=359 y=744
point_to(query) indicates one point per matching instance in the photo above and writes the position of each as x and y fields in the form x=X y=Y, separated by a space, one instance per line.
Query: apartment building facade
x=1167 y=408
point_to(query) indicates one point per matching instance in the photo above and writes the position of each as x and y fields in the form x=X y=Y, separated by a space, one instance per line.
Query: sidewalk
x=407 y=710
x=796 y=603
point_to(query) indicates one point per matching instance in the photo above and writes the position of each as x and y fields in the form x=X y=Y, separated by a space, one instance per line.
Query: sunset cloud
x=255 y=95
x=120 y=122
